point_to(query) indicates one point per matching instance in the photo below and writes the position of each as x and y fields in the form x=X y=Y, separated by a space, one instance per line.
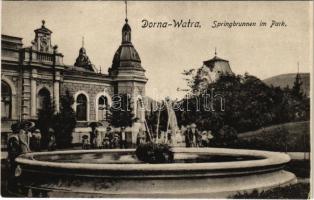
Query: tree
x=45 y=119
x=121 y=111
x=249 y=104
x=65 y=121
x=296 y=89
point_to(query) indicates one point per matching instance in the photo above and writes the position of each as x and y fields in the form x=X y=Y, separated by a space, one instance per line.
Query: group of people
x=104 y=138
x=27 y=138
x=188 y=136
x=195 y=138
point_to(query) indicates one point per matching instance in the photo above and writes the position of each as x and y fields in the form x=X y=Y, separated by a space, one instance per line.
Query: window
x=6 y=97
x=43 y=95
x=103 y=108
x=81 y=107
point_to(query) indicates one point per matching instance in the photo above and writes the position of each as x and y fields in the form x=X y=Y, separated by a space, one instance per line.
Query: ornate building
x=29 y=74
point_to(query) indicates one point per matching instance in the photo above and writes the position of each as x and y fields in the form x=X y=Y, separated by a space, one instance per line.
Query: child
x=106 y=142
x=85 y=142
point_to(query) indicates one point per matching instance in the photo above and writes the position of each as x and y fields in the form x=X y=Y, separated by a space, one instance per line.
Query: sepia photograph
x=156 y=99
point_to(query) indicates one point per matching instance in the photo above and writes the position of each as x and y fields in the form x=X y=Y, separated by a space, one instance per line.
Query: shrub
x=65 y=121
x=154 y=153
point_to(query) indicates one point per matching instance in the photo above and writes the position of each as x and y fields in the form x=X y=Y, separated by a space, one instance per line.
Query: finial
x=126 y=11
x=215 y=51
x=83 y=41
x=43 y=22
x=100 y=69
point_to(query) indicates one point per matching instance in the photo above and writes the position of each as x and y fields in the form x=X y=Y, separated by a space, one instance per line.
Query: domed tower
x=126 y=70
x=82 y=61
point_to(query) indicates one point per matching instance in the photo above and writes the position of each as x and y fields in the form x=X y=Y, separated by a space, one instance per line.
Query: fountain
x=194 y=172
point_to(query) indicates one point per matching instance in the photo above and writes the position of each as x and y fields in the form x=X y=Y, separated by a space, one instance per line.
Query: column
x=33 y=93
x=56 y=91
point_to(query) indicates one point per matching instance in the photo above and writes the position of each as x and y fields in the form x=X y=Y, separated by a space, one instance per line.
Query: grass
x=297 y=191
x=290 y=137
x=294 y=128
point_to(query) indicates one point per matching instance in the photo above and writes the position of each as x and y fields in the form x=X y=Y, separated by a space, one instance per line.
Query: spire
x=126 y=11
x=126 y=30
x=43 y=23
x=215 y=51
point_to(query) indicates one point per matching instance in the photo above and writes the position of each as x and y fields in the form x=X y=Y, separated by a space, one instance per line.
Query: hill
x=284 y=80
x=292 y=136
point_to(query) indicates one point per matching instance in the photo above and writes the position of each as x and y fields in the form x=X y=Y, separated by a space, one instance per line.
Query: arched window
x=42 y=97
x=6 y=99
x=81 y=107
x=103 y=108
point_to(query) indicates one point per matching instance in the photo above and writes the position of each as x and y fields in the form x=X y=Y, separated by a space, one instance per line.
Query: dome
x=127 y=56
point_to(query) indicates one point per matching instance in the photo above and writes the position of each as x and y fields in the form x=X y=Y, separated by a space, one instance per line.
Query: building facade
x=31 y=73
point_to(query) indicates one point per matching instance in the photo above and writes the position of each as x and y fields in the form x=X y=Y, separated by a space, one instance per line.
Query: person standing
x=123 y=144
x=106 y=142
x=97 y=138
x=23 y=141
x=194 y=136
x=85 y=142
x=187 y=136
x=92 y=136
x=37 y=139
x=52 y=140
x=140 y=137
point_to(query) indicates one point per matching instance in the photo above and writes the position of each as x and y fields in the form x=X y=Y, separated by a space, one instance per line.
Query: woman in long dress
x=23 y=139
x=98 y=138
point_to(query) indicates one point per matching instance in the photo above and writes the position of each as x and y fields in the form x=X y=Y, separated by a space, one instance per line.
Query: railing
x=44 y=57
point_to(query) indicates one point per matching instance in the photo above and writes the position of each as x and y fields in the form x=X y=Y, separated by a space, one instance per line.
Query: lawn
x=289 y=137
x=297 y=191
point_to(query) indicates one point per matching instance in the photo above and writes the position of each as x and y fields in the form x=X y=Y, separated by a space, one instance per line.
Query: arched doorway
x=103 y=108
x=81 y=107
x=42 y=98
x=6 y=100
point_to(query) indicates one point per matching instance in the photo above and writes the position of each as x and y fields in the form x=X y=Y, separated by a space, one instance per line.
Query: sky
x=166 y=52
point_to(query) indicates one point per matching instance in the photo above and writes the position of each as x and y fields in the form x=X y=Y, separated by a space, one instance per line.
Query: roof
x=216 y=58
x=43 y=29
x=125 y=53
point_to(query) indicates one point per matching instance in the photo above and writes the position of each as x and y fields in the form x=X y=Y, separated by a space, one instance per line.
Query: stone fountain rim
x=269 y=159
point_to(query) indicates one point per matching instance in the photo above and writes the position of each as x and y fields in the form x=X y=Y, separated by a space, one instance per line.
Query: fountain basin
x=195 y=173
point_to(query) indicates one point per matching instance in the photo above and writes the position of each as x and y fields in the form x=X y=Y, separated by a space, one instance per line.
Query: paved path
x=299 y=155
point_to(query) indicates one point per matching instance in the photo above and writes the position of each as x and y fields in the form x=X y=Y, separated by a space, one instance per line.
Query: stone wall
x=91 y=89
